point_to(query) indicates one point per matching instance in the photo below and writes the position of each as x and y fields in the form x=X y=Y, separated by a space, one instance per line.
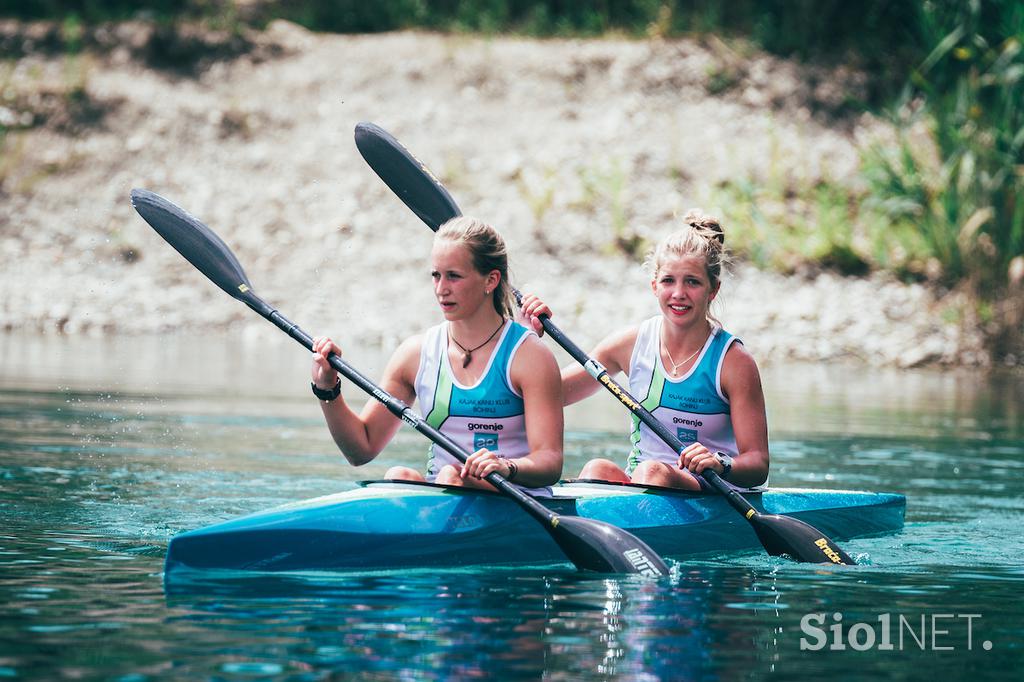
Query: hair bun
x=707 y=226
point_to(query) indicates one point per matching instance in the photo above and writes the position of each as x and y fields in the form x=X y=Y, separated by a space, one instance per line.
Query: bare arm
x=613 y=353
x=361 y=437
x=741 y=383
x=535 y=376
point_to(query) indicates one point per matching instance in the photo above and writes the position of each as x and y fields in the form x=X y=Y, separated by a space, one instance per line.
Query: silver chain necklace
x=677 y=365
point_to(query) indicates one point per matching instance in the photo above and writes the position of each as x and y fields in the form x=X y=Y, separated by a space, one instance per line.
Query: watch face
x=726 y=462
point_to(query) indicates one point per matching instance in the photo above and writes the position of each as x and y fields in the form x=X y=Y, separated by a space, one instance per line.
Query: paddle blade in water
x=406 y=176
x=597 y=546
x=195 y=241
x=794 y=538
x=590 y=545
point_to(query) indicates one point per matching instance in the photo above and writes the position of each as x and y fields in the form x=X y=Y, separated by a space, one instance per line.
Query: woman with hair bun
x=691 y=374
x=480 y=378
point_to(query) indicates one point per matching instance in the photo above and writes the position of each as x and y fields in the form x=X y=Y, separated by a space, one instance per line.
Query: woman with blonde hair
x=692 y=375
x=480 y=378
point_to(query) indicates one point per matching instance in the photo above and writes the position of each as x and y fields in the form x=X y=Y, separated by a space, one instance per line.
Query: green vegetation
x=95 y=11
x=954 y=179
x=875 y=33
x=940 y=201
x=37 y=98
x=606 y=185
x=795 y=226
x=538 y=193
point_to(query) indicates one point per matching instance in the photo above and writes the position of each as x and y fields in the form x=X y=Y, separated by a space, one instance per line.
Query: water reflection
x=802 y=398
x=721 y=621
x=140 y=442
x=473 y=624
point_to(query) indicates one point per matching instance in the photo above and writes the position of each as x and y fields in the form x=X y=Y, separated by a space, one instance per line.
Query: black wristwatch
x=326 y=396
x=723 y=459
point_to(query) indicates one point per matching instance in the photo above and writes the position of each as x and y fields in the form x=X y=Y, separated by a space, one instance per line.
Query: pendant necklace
x=467 y=354
x=676 y=365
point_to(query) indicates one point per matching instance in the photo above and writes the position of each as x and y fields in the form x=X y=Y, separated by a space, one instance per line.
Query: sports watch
x=726 y=462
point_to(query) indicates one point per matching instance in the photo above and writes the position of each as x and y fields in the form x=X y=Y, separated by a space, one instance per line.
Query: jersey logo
x=686 y=436
x=485 y=440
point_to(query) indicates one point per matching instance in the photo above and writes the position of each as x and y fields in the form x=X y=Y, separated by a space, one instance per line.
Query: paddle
x=589 y=544
x=423 y=193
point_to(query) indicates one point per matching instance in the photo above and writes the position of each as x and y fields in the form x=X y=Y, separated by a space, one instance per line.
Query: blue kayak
x=384 y=525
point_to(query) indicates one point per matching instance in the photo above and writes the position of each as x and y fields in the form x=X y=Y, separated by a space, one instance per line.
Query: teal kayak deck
x=385 y=525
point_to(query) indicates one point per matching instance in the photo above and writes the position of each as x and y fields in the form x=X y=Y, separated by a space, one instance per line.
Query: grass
x=941 y=200
x=952 y=183
x=538 y=191
x=34 y=99
x=605 y=186
x=794 y=226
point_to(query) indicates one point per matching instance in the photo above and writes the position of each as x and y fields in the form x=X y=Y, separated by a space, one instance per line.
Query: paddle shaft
x=597 y=370
x=778 y=534
x=400 y=409
x=421 y=191
x=589 y=543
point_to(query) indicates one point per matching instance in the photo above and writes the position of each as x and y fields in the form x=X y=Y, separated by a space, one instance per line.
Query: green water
x=107 y=449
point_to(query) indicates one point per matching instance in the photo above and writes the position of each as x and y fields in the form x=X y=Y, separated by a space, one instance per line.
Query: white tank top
x=693 y=407
x=489 y=414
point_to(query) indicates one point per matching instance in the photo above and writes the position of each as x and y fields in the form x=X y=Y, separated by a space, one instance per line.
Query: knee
x=666 y=475
x=604 y=470
x=651 y=472
x=400 y=473
x=449 y=475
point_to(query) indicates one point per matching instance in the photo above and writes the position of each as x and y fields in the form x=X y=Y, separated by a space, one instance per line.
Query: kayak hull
x=390 y=525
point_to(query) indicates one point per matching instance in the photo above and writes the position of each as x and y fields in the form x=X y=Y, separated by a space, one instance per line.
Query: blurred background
x=865 y=158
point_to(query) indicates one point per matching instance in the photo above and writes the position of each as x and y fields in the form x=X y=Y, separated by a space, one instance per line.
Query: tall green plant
x=955 y=175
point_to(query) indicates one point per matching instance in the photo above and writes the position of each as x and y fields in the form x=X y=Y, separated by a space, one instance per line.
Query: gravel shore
x=554 y=142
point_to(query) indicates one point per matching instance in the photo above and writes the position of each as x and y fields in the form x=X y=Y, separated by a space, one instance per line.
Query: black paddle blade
x=598 y=546
x=414 y=184
x=195 y=241
x=801 y=541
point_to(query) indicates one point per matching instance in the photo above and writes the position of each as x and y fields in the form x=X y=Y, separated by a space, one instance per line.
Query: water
x=107 y=449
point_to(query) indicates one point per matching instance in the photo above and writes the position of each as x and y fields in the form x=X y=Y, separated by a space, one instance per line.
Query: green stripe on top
x=653 y=398
x=442 y=400
x=649 y=403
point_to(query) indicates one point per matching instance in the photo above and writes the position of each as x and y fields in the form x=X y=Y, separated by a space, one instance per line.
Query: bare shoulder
x=738 y=356
x=532 y=352
x=534 y=364
x=411 y=344
x=739 y=369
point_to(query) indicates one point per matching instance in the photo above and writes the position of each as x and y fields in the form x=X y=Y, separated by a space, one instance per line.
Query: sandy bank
x=564 y=145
